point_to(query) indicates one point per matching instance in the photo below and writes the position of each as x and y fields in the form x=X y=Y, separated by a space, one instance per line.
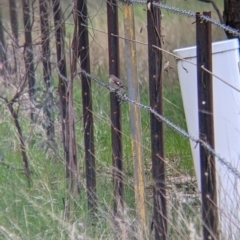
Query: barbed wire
x=124 y=98
x=177 y=57
x=187 y=13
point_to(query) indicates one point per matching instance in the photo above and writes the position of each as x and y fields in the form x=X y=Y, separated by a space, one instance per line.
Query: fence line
x=185 y=12
x=124 y=98
x=120 y=97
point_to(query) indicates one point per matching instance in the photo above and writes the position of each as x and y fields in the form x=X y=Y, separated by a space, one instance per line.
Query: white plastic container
x=226 y=103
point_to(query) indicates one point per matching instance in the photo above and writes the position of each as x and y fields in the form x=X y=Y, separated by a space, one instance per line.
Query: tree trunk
x=231 y=15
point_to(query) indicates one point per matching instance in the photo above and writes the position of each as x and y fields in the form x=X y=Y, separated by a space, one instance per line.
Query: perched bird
x=116 y=83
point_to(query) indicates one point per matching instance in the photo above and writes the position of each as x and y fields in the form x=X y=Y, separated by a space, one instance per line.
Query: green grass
x=35 y=212
x=177 y=148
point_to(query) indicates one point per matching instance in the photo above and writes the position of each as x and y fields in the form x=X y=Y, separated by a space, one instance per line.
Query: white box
x=226 y=103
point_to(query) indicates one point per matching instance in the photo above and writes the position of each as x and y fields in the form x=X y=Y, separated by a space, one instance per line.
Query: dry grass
x=36 y=212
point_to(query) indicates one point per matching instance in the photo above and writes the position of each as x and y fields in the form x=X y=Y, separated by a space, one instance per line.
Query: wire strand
x=124 y=98
x=187 y=13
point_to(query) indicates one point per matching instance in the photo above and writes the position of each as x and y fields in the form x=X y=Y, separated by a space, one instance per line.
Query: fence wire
x=187 y=13
x=124 y=98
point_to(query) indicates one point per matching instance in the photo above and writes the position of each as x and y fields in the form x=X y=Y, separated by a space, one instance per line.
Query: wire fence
x=181 y=207
x=124 y=98
x=186 y=13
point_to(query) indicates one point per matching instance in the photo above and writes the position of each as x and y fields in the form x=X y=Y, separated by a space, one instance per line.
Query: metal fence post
x=116 y=128
x=87 y=105
x=206 y=128
x=155 y=95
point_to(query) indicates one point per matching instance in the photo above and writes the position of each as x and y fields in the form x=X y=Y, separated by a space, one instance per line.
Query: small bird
x=116 y=83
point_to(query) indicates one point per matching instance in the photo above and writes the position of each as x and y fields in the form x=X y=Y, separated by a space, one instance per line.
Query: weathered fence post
x=155 y=95
x=206 y=128
x=116 y=128
x=87 y=104
x=135 y=117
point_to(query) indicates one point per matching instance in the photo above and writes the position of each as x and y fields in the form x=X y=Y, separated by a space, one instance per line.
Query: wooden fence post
x=135 y=117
